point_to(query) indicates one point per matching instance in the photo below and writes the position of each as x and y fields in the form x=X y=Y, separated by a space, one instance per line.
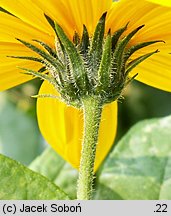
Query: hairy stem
x=92 y=114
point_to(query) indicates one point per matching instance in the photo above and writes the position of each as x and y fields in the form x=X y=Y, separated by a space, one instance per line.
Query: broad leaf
x=140 y=165
x=51 y=165
x=48 y=164
x=19 y=135
x=18 y=182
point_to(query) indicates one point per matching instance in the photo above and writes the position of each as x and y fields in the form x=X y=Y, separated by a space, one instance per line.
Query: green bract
x=97 y=66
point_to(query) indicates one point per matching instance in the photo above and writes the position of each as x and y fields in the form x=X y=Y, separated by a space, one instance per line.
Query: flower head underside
x=106 y=50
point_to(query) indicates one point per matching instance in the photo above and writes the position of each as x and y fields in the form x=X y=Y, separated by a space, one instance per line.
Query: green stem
x=92 y=114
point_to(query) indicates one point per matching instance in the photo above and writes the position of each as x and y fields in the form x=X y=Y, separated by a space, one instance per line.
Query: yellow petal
x=162 y=2
x=155 y=18
x=156 y=71
x=28 y=12
x=11 y=28
x=10 y=75
x=13 y=49
x=62 y=127
x=71 y=15
x=11 y=78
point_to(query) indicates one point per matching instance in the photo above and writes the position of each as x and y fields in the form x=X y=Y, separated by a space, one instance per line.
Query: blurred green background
x=19 y=134
x=142 y=102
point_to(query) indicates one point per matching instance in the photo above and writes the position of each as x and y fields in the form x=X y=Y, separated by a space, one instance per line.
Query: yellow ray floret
x=162 y=2
x=62 y=127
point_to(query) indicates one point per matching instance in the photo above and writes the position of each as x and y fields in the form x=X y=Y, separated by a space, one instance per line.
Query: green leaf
x=51 y=165
x=18 y=182
x=139 y=168
x=19 y=135
x=67 y=180
x=48 y=164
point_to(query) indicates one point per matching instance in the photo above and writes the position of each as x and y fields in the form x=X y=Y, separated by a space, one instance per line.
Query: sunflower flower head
x=83 y=52
x=88 y=66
